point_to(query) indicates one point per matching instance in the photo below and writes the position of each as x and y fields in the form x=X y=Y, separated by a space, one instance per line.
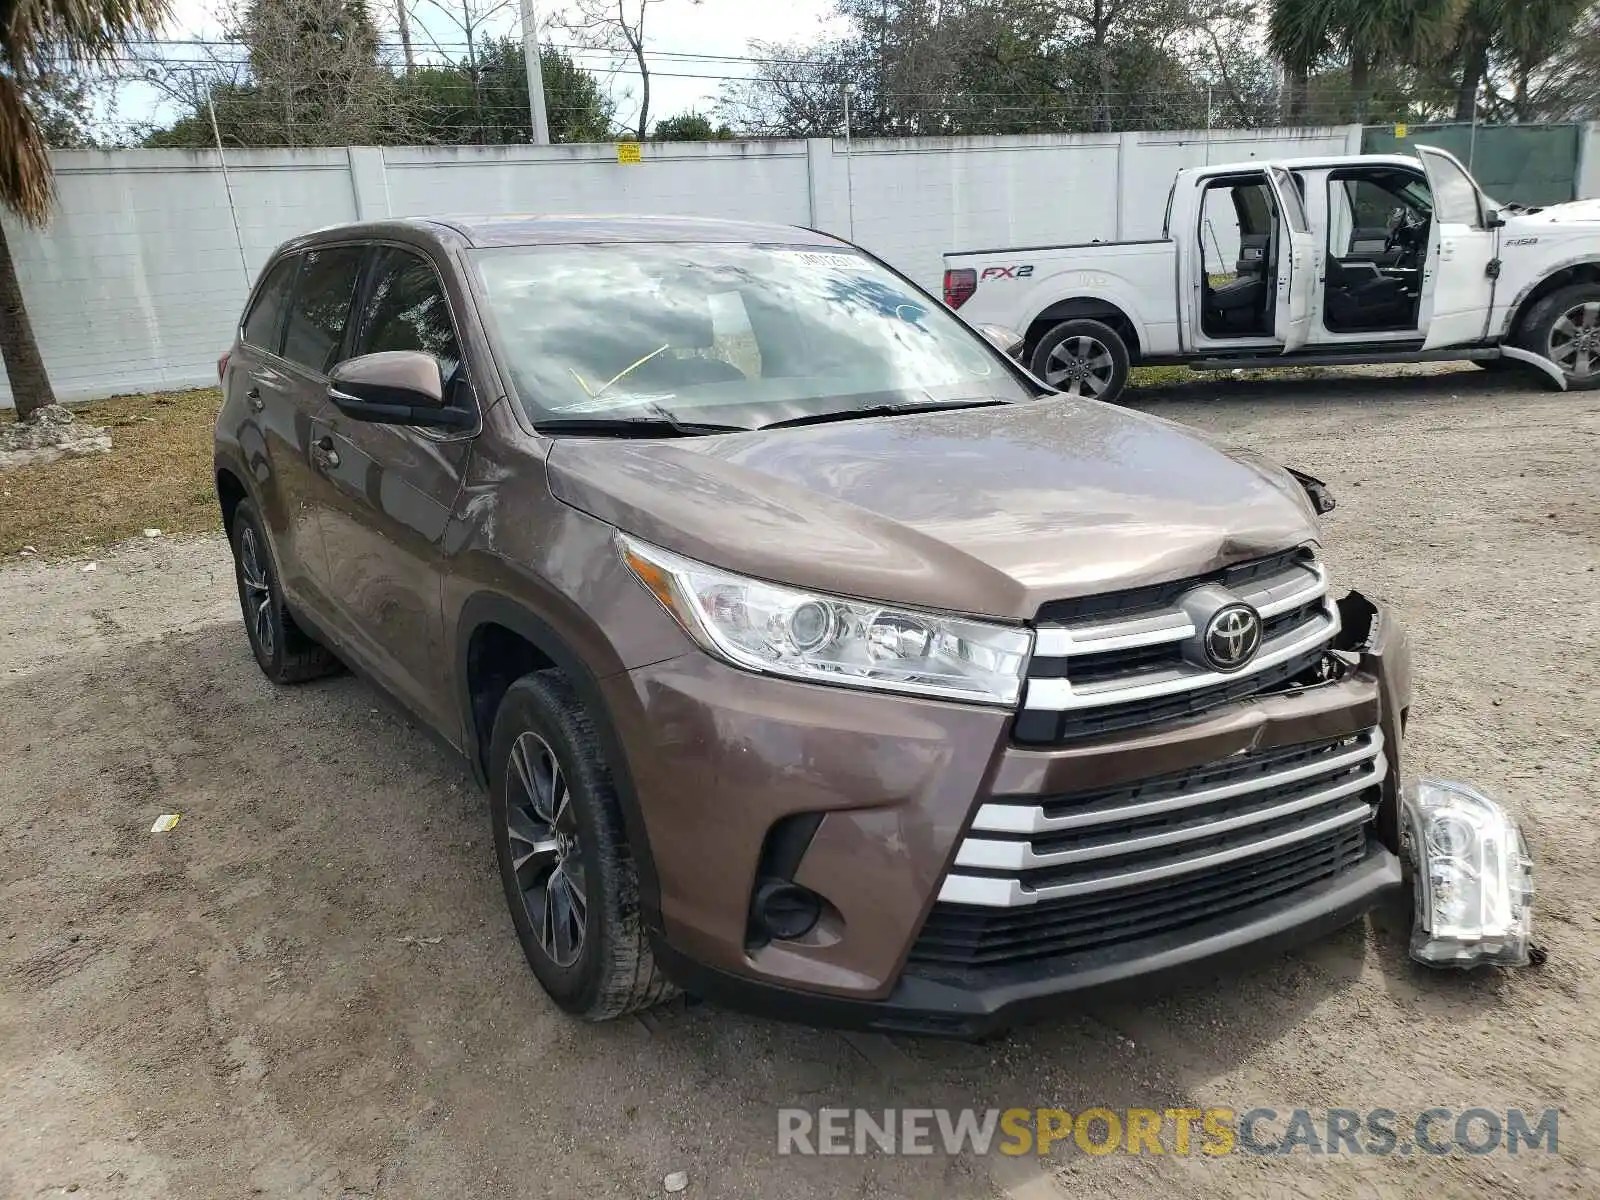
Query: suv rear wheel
x=283 y=651
x=1083 y=357
x=564 y=860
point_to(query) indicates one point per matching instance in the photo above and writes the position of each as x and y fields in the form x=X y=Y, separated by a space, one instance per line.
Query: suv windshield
x=719 y=334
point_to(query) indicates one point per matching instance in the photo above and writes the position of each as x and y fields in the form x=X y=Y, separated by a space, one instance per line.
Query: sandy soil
x=310 y=987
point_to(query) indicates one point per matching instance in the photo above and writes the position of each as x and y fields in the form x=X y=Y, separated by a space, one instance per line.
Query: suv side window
x=321 y=308
x=1455 y=196
x=263 y=324
x=406 y=310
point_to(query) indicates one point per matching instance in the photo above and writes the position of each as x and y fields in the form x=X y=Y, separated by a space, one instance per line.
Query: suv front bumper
x=719 y=758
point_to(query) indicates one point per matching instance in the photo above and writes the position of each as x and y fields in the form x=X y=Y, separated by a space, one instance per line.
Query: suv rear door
x=393 y=490
x=312 y=341
x=277 y=434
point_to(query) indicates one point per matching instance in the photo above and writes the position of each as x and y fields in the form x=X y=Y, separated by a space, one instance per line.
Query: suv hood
x=988 y=511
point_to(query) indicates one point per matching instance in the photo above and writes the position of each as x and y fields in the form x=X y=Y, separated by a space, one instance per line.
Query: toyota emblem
x=1232 y=637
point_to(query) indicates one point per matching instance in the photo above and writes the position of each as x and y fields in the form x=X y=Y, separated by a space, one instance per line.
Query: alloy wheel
x=1574 y=342
x=545 y=854
x=257 y=590
x=1080 y=366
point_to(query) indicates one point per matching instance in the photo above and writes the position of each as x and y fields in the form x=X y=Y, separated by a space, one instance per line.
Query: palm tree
x=1364 y=32
x=1514 y=32
x=1298 y=36
x=38 y=39
x=1389 y=31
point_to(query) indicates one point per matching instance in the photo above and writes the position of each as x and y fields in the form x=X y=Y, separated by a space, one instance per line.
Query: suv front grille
x=1129 y=659
x=1174 y=831
x=962 y=939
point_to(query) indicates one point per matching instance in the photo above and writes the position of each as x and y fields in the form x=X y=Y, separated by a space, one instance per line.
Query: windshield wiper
x=657 y=426
x=883 y=410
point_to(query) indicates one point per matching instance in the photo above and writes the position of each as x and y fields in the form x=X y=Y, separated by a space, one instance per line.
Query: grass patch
x=158 y=475
x=1160 y=376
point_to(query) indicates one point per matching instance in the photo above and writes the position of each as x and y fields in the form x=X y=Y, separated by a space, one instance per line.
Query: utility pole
x=530 y=58
x=197 y=88
x=849 y=168
x=405 y=35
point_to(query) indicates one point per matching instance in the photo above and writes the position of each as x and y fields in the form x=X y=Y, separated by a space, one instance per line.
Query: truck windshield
x=726 y=334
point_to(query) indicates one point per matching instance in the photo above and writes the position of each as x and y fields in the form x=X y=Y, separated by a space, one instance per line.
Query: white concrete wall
x=137 y=282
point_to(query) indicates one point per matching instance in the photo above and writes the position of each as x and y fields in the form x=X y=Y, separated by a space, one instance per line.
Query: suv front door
x=393 y=490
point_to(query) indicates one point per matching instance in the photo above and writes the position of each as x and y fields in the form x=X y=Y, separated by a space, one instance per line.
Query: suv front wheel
x=564 y=860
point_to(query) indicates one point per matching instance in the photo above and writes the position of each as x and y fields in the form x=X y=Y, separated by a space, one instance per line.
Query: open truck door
x=1457 y=289
x=1297 y=250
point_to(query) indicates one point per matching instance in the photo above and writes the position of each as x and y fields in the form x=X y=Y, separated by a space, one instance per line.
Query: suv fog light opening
x=785 y=911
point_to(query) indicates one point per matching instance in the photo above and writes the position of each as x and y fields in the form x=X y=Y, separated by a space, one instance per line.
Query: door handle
x=324 y=455
x=254 y=397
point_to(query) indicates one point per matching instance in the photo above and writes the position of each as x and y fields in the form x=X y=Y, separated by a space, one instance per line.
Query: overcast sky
x=715 y=27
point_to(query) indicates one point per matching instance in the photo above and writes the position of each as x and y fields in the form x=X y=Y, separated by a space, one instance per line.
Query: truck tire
x=565 y=862
x=1565 y=327
x=1083 y=358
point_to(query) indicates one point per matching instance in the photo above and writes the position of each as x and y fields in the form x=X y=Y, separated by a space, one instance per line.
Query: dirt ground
x=310 y=987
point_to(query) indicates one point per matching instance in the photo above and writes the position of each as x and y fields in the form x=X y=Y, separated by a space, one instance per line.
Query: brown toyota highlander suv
x=817 y=658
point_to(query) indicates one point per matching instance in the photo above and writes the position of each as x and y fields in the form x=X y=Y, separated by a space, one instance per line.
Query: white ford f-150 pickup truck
x=1310 y=261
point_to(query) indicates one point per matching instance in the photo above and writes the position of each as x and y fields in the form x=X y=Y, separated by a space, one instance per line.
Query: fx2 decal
x=1006 y=272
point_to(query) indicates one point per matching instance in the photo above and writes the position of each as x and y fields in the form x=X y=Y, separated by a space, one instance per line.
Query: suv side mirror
x=1007 y=341
x=1492 y=219
x=395 y=387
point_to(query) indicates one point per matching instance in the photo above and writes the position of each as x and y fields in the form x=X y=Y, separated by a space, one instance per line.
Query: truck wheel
x=564 y=860
x=1565 y=328
x=1083 y=358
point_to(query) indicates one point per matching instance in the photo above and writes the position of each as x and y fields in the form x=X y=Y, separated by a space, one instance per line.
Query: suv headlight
x=830 y=639
x=1473 y=877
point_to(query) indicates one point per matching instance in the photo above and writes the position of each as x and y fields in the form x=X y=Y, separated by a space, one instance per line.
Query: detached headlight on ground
x=829 y=639
x=1473 y=878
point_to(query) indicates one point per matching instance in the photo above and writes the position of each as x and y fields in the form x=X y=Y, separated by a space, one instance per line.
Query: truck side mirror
x=1492 y=219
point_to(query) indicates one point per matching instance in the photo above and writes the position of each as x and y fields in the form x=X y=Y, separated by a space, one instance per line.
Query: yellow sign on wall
x=1399 y=131
x=628 y=152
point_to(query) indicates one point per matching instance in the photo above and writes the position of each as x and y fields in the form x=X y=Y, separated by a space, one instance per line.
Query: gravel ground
x=310 y=987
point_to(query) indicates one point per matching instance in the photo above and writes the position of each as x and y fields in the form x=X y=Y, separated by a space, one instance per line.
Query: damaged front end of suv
x=1470 y=867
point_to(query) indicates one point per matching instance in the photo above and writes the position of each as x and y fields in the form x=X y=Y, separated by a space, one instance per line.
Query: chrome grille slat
x=1010 y=892
x=1022 y=852
x=1022 y=818
x=1059 y=694
x=1298 y=585
x=1021 y=856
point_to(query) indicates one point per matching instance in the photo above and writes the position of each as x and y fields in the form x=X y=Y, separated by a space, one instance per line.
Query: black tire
x=283 y=651
x=611 y=970
x=1540 y=331
x=1080 y=355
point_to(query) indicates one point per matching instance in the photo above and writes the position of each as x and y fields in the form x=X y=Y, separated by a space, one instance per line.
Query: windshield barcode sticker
x=821 y=258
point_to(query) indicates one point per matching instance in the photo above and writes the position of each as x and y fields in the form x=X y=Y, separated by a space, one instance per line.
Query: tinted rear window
x=321 y=307
x=263 y=323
